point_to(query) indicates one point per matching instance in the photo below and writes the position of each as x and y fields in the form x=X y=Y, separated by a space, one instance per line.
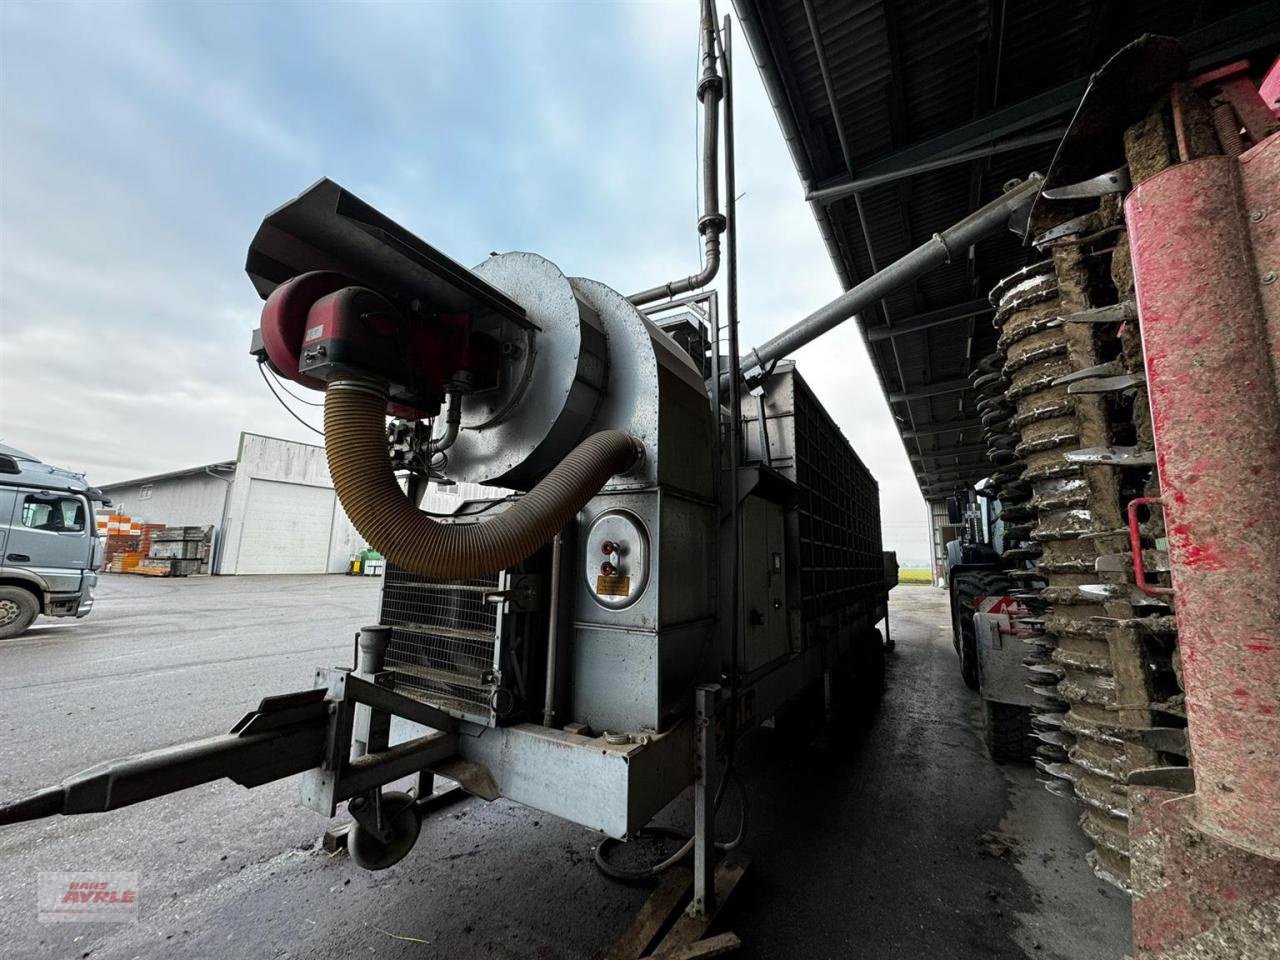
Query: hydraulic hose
x=356 y=446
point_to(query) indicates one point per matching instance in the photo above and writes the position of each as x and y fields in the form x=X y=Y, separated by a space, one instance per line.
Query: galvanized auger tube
x=356 y=447
x=941 y=248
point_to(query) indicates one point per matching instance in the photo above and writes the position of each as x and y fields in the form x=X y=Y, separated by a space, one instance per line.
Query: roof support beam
x=892 y=168
x=945 y=452
x=931 y=318
x=950 y=481
x=940 y=492
x=984 y=132
x=936 y=389
x=945 y=474
x=937 y=428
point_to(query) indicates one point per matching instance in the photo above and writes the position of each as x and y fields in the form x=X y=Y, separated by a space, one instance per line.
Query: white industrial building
x=273 y=508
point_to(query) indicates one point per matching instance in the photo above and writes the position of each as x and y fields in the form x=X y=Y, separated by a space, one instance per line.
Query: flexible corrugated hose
x=356 y=446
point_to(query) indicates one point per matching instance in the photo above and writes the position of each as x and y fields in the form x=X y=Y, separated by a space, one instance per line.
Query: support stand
x=704 y=812
x=673 y=922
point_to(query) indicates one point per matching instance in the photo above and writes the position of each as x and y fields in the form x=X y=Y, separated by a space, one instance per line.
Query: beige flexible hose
x=356 y=446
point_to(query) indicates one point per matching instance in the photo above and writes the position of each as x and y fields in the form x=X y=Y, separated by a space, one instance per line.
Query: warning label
x=613 y=586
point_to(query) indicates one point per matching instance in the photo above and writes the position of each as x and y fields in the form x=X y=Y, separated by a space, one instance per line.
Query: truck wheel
x=970 y=587
x=1007 y=731
x=18 y=608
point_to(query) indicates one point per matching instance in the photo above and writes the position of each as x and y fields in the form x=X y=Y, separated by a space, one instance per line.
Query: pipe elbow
x=355 y=445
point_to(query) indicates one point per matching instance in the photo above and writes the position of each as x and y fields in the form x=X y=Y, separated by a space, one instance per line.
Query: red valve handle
x=1135 y=545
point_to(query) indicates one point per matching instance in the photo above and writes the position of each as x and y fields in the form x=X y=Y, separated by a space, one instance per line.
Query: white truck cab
x=50 y=550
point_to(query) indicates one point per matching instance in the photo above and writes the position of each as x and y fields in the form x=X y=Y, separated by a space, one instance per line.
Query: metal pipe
x=939 y=249
x=712 y=222
x=452 y=421
x=735 y=385
x=553 y=631
x=215 y=554
x=370 y=729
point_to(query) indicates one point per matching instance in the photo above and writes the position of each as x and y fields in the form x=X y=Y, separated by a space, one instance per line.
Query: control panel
x=616 y=564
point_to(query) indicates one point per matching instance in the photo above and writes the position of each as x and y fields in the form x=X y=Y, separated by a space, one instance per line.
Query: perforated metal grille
x=443 y=640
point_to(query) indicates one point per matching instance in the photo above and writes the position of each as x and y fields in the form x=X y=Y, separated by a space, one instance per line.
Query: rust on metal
x=1216 y=417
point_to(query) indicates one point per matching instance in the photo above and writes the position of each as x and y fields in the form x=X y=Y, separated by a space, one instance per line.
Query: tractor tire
x=970 y=587
x=18 y=610
x=1007 y=731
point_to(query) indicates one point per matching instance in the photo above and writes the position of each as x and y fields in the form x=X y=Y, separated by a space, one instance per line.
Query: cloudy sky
x=141 y=144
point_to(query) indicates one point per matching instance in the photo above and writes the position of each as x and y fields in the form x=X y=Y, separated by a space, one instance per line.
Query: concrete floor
x=900 y=841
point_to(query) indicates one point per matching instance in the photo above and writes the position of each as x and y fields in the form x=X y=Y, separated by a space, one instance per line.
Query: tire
x=970 y=586
x=18 y=610
x=1007 y=731
x=368 y=851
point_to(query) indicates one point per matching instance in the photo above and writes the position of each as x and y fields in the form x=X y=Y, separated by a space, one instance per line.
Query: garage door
x=286 y=528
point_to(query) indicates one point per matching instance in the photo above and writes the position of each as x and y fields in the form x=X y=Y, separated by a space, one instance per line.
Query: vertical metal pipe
x=553 y=634
x=711 y=223
x=1216 y=415
x=215 y=554
x=735 y=375
x=452 y=422
x=371 y=728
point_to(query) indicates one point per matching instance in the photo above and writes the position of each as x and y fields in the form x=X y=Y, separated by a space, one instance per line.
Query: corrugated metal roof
x=916 y=81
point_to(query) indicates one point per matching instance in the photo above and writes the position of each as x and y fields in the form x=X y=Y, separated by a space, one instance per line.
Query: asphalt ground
x=899 y=839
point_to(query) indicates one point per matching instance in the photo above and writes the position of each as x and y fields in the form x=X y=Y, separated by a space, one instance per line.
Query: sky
x=141 y=145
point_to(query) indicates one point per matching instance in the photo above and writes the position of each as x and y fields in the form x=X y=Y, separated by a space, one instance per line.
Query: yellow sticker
x=613 y=586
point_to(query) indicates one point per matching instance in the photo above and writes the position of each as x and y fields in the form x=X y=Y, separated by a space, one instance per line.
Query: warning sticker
x=613 y=586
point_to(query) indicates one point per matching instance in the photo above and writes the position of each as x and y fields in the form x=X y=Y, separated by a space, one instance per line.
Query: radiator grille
x=444 y=639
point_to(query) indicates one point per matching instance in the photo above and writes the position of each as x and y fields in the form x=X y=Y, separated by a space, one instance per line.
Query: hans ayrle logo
x=87 y=897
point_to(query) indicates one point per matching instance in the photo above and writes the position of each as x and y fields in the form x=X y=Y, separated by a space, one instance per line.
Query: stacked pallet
x=126 y=540
x=177 y=552
x=121 y=535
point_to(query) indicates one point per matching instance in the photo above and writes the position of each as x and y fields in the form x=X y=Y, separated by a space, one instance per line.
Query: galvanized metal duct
x=354 y=419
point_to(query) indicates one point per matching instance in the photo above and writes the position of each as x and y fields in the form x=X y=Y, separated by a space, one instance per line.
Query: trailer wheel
x=372 y=853
x=18 y=609
x=1007 y=731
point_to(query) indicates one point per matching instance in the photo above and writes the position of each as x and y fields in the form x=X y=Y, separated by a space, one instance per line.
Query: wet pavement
x=897 y=840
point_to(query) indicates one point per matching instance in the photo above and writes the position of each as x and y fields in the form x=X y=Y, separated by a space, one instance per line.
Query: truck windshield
x=60 y=514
